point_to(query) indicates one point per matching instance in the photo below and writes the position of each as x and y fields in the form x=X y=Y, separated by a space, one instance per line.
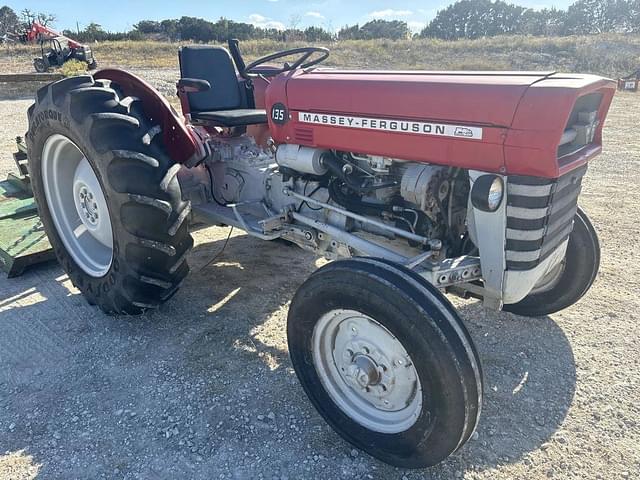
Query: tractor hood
x=487 y=98
x=520 y=123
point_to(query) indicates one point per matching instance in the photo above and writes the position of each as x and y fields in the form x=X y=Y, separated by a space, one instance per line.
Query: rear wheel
x=571 y=279
x=108 y=195
x=386 y=360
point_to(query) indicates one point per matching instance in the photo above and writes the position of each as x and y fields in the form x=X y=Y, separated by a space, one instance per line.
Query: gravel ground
x=203 y=387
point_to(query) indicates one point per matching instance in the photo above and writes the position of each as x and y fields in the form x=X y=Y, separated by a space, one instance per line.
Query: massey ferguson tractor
x=416 y=184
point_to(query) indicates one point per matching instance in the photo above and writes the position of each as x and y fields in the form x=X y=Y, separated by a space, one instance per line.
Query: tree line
x=483 y=18
x=462 y=19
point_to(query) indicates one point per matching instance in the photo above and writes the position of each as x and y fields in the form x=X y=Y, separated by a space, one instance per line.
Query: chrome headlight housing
x=487 y=193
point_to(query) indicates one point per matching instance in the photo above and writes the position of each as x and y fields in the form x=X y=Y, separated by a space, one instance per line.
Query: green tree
x=171 y=28
x=475 y=19
x=148 y=26
x=392 y=29
x=9 y=21
x=548 y=22
x=196 y=29
x=239 y=30
x=349 y=32
x=317 y=34
x=93 y=33
x=599 y=16
x=633 y=25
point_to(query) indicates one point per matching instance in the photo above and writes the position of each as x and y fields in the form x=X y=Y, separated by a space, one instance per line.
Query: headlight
x=487 y=193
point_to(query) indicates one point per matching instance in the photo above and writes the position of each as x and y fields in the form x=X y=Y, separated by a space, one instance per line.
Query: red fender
x=182 y=145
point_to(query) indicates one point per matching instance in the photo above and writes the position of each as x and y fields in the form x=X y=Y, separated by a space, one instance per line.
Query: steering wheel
x=304 y=52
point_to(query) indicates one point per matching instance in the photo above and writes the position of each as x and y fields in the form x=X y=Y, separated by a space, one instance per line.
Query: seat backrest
x=215 y=65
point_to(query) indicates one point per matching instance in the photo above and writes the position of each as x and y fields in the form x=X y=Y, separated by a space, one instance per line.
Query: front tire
x=40 y=65
x=574 y=278
x=108 y=195
x=386 y=360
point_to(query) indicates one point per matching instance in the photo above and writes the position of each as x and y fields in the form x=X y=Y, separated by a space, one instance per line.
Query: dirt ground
x=203 y=387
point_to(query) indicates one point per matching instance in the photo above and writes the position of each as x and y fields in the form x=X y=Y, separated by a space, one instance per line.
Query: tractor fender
x=183 y=146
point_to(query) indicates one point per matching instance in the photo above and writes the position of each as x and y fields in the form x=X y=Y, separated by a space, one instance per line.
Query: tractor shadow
x=529 y=385
x=528 y=363
x=212 y=365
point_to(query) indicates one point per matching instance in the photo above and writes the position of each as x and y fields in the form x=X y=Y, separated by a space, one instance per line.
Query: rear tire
x=137 y=180
x=582 y=262
x=366 y=316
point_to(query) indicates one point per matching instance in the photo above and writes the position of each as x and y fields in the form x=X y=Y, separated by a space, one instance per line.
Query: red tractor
x=416 y=183
x=56 y=49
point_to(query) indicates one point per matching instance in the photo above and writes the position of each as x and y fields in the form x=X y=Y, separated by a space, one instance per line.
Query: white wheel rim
x=77 y=205
x=366 y=371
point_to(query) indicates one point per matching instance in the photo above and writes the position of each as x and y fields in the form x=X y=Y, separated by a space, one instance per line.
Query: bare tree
x=43 y=18
x=294 y=21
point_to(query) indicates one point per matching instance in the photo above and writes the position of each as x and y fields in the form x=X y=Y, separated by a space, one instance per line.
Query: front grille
x=540 y=216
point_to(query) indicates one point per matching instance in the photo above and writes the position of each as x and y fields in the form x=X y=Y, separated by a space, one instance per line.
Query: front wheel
x=386 y=360
x=571 y=279
x=40 y=65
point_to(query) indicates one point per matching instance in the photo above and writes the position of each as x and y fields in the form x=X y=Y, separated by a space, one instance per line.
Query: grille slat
x=538 y=223
x=530 y=190
x=559 y=204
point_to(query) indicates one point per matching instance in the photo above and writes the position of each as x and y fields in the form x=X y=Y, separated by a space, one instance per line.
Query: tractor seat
x=225 y=101
x=232 y=118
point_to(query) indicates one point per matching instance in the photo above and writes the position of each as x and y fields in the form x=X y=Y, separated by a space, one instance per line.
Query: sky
x=330 y=14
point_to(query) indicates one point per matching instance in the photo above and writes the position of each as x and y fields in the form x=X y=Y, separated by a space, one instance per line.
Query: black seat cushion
x=213 y=64
x=232 y=118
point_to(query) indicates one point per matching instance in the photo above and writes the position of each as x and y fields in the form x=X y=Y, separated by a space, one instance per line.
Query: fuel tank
x=503 y=122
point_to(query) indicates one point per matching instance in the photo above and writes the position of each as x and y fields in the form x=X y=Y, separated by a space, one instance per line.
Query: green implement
x=23 y=241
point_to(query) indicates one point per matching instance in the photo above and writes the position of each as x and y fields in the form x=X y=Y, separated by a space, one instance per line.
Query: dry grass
x=610 y=55
x=73 y=68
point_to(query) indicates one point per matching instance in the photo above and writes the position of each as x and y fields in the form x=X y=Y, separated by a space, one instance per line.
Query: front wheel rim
x=77 y=205
x=366 y=371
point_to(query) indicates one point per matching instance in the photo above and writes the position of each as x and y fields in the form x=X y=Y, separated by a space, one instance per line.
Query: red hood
x=507 y=122
x=487 y=98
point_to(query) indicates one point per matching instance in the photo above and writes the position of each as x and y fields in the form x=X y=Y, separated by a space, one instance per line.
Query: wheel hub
x=87 y=206
x=364 y=370
x=367 y=371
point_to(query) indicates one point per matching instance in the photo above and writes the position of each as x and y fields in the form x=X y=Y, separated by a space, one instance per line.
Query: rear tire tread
x=167 y=249
x=137 y=156
x=169 y=176
x=162 y=205
x=180 y=220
